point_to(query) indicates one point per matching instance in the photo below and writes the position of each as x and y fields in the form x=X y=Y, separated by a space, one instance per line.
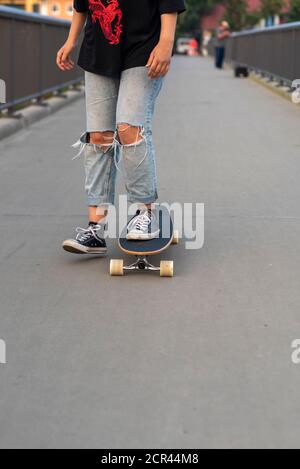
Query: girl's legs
x=134 y=97
x=101 y=100
x=97 y=146
x=135 y=108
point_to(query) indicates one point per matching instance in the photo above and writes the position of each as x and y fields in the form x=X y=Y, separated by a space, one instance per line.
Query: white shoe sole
x=134 y=236
x=71 y=245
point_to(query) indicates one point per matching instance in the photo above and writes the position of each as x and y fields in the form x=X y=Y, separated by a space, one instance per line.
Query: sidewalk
x=200 y=360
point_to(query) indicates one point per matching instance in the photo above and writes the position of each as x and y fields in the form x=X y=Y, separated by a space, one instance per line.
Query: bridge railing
x=272 y=51
x=29 y=43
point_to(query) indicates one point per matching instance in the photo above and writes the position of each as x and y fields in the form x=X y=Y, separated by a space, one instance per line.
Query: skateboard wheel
x=166 y=268
x=116 y=267
x=175 y=239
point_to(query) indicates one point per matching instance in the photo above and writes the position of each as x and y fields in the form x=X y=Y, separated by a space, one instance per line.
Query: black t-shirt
x=121 y=34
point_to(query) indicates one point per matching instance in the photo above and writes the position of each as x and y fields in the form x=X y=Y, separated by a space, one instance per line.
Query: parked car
x=183 y=45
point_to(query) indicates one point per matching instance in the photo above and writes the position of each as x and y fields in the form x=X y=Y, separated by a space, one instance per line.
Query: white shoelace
x=141 y=221
x=81 y=145
x=84 y=233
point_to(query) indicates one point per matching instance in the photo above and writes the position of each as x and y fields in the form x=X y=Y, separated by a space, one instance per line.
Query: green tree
x=252 y=19
x=271 y=7
x=294 y=13
x=236 y=14
x=189 y=21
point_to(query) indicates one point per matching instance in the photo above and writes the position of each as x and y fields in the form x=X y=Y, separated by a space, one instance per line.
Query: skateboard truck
x=141 y=263
x=117 y=267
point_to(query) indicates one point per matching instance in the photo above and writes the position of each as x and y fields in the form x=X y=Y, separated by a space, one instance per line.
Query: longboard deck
x=151 y=246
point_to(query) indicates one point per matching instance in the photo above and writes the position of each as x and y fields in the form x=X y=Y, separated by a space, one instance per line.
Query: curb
x=33 y=113
x=273 y=86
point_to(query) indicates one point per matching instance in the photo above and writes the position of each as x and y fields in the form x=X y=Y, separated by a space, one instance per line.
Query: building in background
x=57 y=8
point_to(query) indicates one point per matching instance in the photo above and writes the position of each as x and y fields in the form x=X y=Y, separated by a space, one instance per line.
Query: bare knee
x=102 y=138
x=129 y=134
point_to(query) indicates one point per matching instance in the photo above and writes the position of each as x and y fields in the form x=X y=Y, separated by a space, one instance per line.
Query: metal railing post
x=29 y=75
x=254 y=50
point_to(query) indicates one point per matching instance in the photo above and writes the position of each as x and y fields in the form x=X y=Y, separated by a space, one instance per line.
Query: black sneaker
x=88 y=241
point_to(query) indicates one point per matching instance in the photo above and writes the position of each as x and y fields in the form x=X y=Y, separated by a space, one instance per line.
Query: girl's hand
x=160 y=59
x=63 y=59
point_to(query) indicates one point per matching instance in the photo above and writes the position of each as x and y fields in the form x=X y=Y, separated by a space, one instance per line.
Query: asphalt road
x=200 y=360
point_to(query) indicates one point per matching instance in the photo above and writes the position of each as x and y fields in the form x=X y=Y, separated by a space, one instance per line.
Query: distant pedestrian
x=222 y=35
x=193 y=47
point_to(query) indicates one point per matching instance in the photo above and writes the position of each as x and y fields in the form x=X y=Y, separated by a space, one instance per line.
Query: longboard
x=142 y=249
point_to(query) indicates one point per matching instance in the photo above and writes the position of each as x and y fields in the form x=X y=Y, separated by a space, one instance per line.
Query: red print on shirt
x=109 y=16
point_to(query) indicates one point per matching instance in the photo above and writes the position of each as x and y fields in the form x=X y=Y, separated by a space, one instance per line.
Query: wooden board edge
x=146 y=253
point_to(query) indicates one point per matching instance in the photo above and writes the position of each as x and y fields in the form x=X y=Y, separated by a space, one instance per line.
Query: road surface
x=200 y=360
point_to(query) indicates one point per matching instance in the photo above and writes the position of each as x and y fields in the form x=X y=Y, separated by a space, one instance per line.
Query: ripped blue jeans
x=110 y=102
